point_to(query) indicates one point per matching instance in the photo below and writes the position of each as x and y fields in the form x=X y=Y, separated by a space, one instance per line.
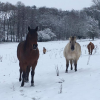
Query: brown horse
x=90 y=47
x=28 y=54
x=44 y=50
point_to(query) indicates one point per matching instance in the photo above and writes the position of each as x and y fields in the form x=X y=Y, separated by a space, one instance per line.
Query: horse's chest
x=31 y=57
x=71 y=55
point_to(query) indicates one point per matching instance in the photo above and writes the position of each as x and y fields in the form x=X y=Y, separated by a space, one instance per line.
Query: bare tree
x=97 y=3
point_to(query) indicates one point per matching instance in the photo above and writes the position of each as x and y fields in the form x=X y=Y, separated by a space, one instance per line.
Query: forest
x=53 y=23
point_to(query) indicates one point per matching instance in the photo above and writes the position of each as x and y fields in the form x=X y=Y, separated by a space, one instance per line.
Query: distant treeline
x=14 y=20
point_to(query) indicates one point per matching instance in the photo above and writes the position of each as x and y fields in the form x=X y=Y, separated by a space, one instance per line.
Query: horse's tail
x=90 y=47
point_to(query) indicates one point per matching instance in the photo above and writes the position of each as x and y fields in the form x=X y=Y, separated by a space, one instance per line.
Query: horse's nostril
x=72 y=47
x=34 y=46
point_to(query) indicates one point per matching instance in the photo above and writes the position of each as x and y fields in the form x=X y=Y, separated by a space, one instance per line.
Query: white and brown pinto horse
x=72 y=52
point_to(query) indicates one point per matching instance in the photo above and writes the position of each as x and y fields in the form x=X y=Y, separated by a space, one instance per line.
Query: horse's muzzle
x=72 y=48
x=35 y=46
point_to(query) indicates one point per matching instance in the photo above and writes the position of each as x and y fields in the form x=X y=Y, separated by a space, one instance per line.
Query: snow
x=46 y=34
x=81 y=85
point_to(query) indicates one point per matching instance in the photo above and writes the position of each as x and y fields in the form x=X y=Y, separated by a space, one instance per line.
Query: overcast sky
x=59 y=4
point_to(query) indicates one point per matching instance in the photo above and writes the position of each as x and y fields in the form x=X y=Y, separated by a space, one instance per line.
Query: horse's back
x=90 y=45
x=78 y=49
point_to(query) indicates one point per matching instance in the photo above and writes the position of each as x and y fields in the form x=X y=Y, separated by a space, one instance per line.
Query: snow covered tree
x=92 y=28
x=46 y=35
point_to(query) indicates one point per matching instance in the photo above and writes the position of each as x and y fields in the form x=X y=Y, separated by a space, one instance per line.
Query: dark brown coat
x=90 y=47
x=28 y=54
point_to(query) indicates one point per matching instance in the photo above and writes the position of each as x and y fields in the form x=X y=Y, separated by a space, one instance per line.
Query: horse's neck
x=27 y=46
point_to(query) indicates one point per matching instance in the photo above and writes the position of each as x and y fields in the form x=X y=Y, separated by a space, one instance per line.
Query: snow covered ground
x=81 y=85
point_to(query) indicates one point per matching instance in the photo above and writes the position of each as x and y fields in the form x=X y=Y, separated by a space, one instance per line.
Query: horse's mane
x=90 y=43
x=72 y=38
x=25 y=43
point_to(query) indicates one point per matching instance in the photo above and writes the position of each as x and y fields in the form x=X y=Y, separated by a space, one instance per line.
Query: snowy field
x=81 y=85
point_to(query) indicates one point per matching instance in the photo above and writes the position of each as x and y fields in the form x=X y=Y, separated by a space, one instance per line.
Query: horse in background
x=28 y=54
x=44 y=50
x=72 y=52
x=90 y=47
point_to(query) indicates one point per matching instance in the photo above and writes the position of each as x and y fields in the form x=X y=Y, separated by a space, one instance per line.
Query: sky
x=59 y=4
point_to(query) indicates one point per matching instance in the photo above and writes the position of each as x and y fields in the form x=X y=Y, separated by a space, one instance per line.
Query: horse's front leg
x=27 y=74
x=24 y=75
x=32 y=73
x=67 y=65
x=75 y=64
x=71 y=64
x=20 y=70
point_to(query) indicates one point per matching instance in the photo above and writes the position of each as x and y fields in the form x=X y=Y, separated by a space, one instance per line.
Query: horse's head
x=32 y=37
x=72 y=42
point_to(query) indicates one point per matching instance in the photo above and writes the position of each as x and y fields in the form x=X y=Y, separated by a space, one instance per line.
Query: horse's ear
x=36 y=28
x=75 y=38
x=28 y=28
x=70 y=38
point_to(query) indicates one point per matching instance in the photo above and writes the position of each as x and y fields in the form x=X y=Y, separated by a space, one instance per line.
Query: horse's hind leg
x=67 y=65
x=75 y=64
x=27 y=74
x=71 y=64
x=32 y=73
x=91 y=52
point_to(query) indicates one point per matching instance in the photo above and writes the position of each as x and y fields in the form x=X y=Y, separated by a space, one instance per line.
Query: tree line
x=15 y=19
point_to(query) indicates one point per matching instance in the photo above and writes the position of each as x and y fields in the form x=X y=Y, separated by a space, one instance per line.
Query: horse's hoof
x=66 y=71
x=75 y=70
x=32 y=84
x=22 y=84
x=19 y=80
x=71 y=68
